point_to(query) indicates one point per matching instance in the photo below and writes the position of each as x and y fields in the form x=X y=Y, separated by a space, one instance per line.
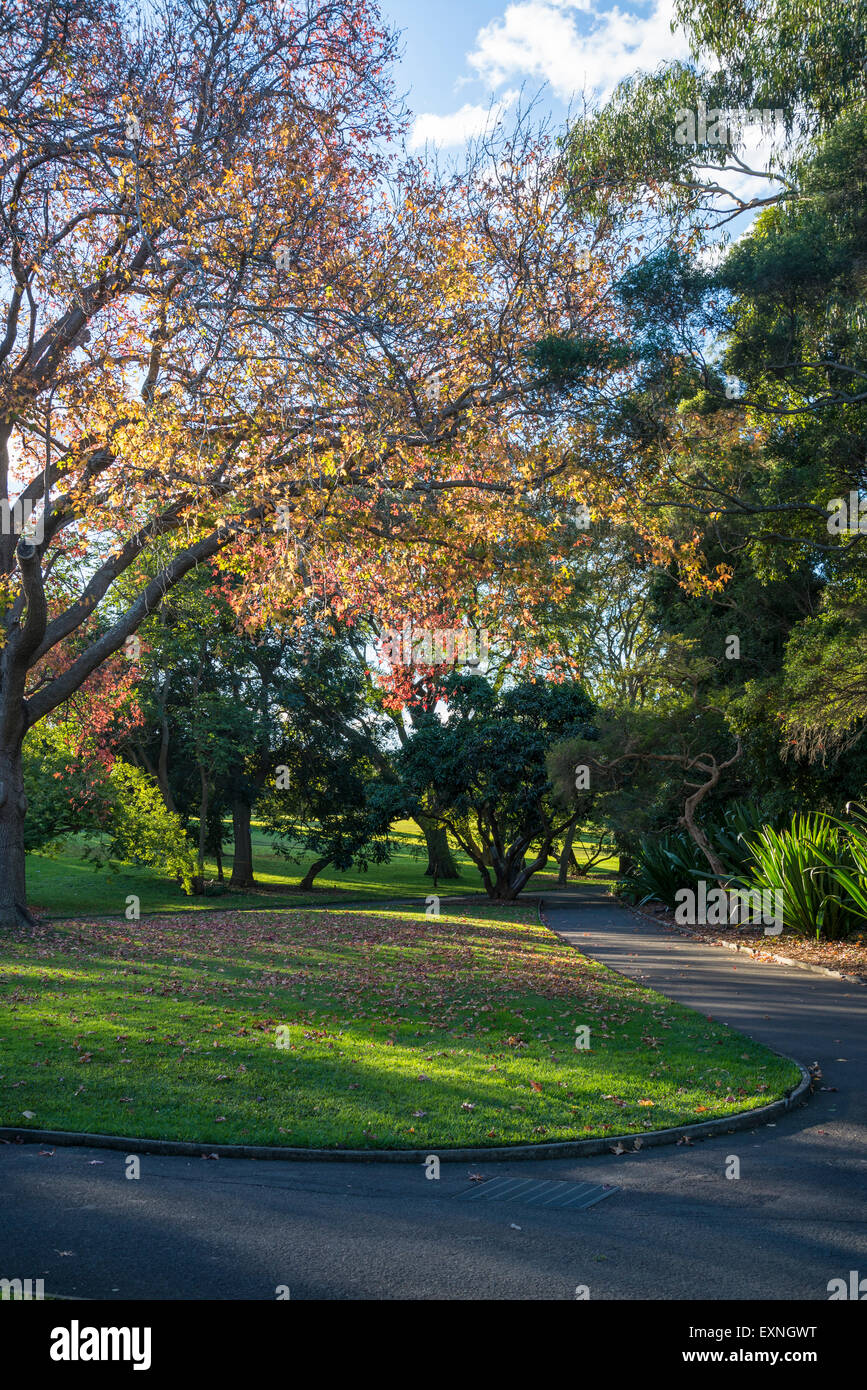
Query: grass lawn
x=403 y=1031
x=66 y=884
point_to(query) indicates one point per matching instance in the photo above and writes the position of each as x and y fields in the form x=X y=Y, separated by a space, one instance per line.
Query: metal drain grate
x=539 y=1193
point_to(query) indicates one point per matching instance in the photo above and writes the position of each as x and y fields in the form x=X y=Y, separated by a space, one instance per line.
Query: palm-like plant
x=809 y=864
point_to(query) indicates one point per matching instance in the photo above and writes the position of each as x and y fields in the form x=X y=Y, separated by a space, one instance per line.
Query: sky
x=464 y=60
x=462 y=55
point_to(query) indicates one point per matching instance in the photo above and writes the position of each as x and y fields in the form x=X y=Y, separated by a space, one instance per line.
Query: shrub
x=849 y=876
x=142 y=831
x=809 y=864
x=664 y=863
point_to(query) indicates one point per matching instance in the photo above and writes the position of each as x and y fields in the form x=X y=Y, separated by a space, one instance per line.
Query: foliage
x=141 y=830
x=664 y=864
x=63 y=797
x=671 y=860
x=482 y=772
x=797 y=862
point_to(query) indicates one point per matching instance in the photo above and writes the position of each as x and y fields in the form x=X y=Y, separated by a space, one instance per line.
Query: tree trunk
x=203 y=819
x=567 y=857
x=315 y=868
x=163 y=767
x=242 y=866
x=512 y=873
x=13 y=807
x=440 y=863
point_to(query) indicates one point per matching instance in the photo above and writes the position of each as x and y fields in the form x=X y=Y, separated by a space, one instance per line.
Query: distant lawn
x=68 y=885
x=404 y=1031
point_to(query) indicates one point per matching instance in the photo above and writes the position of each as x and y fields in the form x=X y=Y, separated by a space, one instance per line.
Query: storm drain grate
x=535 y=1192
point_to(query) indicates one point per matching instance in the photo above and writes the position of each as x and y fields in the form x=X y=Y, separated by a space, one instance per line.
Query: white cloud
x=461 y=125
x=541 y=39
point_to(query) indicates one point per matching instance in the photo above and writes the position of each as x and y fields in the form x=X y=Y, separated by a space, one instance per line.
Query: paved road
x=678 y=1229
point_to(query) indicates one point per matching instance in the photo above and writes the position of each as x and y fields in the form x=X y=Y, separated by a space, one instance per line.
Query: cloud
x=541 y=39
x=461 y=125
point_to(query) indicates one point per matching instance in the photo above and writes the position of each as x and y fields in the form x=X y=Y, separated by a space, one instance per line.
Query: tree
x=677 y=750
x=750 y=365
x=224 y=297
x=480 y=771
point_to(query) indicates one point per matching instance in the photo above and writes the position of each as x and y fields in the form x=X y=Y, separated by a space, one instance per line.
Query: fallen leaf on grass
x=467 y=1105
x=29 y=1114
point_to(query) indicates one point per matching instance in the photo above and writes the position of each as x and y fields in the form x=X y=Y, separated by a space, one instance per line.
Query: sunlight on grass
x=67 y=885
x=400 y=1031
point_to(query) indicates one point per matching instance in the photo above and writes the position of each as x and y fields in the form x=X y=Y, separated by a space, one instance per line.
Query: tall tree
x=223 y=297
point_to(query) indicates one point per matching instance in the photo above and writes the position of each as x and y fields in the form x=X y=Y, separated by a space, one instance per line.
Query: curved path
x=678 y=1229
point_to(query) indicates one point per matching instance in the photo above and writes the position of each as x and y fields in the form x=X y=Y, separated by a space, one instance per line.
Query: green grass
x=403 y=1031
x=66 y=884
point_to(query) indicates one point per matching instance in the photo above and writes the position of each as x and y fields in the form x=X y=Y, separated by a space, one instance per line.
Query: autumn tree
x=239 y=324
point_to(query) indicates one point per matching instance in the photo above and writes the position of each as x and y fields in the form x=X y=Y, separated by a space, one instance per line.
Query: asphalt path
x=678 y=1228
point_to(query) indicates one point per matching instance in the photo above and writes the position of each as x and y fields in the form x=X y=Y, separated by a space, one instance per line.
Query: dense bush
x=672 y=860
x=817 y=862
x=142 y=831
x=118 y=808
x=664 y=863
x=796 y=862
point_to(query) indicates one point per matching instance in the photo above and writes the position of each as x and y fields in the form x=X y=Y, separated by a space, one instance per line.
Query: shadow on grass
x=400 y=1031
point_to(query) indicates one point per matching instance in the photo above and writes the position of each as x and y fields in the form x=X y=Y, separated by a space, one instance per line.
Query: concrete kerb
x=763 y=957
x=579 y=1148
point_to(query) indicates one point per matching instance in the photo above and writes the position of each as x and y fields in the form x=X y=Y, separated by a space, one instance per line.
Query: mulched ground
x=849 y=957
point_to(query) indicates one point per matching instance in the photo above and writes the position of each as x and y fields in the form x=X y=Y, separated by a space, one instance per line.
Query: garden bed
x=846 y=957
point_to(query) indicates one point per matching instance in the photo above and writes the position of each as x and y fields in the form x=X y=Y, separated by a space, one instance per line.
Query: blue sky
x=462 y=54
